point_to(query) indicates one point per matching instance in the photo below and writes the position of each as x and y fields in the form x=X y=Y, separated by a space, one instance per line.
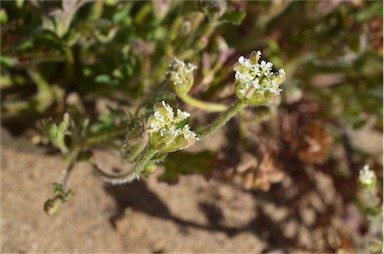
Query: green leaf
x=103 y=78
x=47 y=23
x=56 y=133
x=25 y=44
x=57 y=189
x=7 y=61
x=122 y=14
x=60 y=136
x=48 y=38
x=375 y=10
x=67 y=196
x=234 y=17
x=52 y=131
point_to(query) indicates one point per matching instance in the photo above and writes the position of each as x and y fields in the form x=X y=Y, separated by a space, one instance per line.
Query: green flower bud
x=165 y=134
x=51 y=206
x=256 y=84
x=180 y=76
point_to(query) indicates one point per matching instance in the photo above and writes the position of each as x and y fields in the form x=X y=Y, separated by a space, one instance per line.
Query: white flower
x=182 y=114
x=156 y=125
x=244 y=78
x=266 y=68
x=255 y=82
x=245 y=62
x=180 y=75
x=174 y=132
x=165 y=132
x=367 y=176
x=170 y=115
x=187 y=67
x=158 y=122
x=188 y=134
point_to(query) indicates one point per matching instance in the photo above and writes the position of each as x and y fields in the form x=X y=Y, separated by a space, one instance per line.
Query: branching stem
x=222 y=119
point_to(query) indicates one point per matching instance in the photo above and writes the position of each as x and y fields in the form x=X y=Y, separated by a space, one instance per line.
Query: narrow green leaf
x=234 y=17
x=7 y=61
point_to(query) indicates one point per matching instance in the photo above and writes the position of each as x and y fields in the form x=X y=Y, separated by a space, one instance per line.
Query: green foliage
x=234 y=17
x=57 y=133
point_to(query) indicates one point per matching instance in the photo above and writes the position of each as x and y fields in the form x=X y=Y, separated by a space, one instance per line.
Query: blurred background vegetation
x=99 y=60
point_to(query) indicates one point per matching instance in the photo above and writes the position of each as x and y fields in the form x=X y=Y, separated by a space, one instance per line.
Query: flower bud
x=51 y=206
x=180 y=76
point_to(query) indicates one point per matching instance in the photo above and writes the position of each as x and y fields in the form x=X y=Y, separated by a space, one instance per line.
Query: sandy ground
x=194 y=215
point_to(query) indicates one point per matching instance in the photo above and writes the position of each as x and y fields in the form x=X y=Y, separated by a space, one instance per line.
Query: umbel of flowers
x=166 y=131
x=256 y=84
x=180 y=76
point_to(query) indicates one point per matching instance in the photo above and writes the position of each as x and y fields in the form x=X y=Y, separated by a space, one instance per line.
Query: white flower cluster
x=366 y=176
x=163 y=116
x=163 y=125
x=257 y=77
x=179 y=71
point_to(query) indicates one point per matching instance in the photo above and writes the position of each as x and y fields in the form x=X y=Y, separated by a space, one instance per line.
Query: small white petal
x=366 y=176
x=169 y=110
x=183 y=114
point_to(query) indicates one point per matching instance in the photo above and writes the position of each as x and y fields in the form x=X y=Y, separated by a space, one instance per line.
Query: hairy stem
x=222 y=119
x=212 y=107
x=69 y=169
x=143 y=160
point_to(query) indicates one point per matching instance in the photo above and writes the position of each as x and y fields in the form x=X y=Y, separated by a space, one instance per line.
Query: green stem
x=212 y=107
x=69 y=169
x=96 y=10
x=222 y=119
x=143 y=160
